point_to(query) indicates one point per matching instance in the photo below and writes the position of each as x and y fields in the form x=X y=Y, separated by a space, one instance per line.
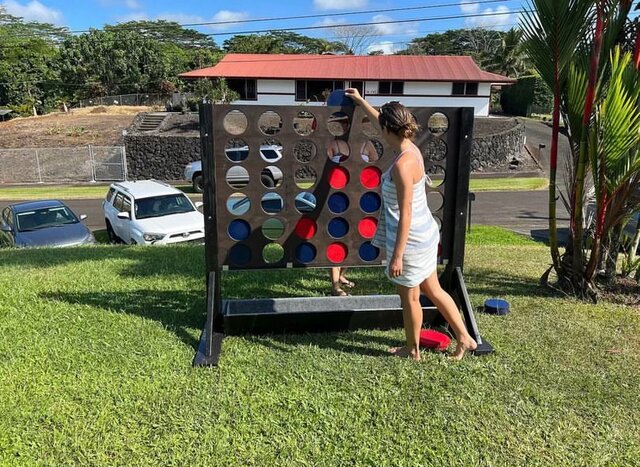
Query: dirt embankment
x=97 y=126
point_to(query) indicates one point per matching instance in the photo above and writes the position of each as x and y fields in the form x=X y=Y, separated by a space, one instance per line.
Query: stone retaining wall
x=496 y=152
x=163 y=154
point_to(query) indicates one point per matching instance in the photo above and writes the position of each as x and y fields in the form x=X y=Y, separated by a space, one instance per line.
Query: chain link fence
x=53 y=165
x=125 y=99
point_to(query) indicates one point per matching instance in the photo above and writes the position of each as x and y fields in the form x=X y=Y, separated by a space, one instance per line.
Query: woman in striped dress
x=408 y=232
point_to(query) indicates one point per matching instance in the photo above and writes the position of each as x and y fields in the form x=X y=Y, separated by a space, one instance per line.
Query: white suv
x=151 y=213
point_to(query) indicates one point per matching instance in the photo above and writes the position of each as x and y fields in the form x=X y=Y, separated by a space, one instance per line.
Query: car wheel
x=198 y=186
x=113 y=238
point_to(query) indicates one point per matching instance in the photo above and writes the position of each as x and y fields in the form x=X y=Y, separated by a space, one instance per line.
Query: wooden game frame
x=344 y=313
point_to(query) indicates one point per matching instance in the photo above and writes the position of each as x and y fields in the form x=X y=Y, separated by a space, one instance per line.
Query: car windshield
x=45 y=218
x=162 y=206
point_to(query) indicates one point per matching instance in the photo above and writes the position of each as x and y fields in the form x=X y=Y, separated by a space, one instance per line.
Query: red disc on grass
x=367 y=227
x=337 y=252
x=338 y=178
x=370 y=177
x=434 y=340
x=306 y=228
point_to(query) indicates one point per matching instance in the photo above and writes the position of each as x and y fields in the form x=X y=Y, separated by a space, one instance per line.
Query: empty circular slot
x=271 y=177
x=240 y=254
x=367 y=227
x=370 y=202
x=338 y=178
x=271 y=150
x=337 y=252
x=437 y=175
x=305 y=177
x=239 y=230
x=236 y=150
x=304 y=151
x=369 y=129
x=305 y=202
x=270 y=123
x=338 y=151
x=338 y=123
x=368 y=252
x=435 y=200
x=273 y=229
x=338 y=227
x=434 y=150
x=338 y=203
x=304 y=123
x=235 y=122
x=237 y=177
x=272 y=253
x=238 y=204
x=272 y=203
x=306 y=228
x=438 y=123
x=371 y=151
x=306 y=252
x=370 y=177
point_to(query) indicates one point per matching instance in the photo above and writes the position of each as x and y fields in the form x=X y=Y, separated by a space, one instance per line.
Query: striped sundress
x=421 y=252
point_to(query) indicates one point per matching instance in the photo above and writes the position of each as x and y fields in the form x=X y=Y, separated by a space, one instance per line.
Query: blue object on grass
x=496 y=306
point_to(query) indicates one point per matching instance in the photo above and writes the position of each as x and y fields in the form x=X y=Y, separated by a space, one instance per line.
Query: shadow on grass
x=489 y=282
x=176 y=311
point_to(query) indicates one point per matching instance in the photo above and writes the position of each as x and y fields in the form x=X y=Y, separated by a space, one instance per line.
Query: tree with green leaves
x=280 y=42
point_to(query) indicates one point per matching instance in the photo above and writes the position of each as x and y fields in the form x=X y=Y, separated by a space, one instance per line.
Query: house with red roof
x=414 y=80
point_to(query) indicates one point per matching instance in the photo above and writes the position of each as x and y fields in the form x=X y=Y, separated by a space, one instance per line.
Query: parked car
x=151 y=213
x=43 y=223
x=269 y=177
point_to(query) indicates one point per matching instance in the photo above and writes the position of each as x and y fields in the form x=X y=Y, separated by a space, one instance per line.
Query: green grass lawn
x=29 y=192
x=100 y=190
x=96 y=346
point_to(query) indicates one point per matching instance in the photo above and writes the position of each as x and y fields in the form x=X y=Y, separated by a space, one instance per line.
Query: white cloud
x=468 y=8
x=184 y=18
x=387 y=47
x=495 y=18
x=328 y=22
x=339 y=4
x=33 y=11
x=131 y=4
x=397 y=29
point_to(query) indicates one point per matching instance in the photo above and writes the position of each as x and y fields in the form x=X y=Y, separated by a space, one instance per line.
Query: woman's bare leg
x=447 y=307
x=412 y=319
x=336 y=287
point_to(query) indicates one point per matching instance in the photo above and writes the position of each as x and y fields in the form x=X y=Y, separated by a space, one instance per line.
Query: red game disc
x=367 y=227
x=370 y=177
x=337 y=252
x=306 y=228
x=434 y=340
x=338 y=178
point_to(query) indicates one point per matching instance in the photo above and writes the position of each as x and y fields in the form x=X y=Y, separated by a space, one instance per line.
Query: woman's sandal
x=347 y=283
x=336 y=291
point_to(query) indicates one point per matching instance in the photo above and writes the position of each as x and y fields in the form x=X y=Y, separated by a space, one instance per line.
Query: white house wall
x=416 y=94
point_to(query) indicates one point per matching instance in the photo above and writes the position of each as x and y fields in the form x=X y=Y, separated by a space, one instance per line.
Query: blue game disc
x=240 y=254
x=370 y=202
x=306 y=252
x=338 y=227
x=339 y=98
x=338 y=203
x=368 y=252
x=239 y=230
x=496 y=306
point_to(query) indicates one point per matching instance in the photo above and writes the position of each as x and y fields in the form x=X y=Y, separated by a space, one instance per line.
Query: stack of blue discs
x=496 y=306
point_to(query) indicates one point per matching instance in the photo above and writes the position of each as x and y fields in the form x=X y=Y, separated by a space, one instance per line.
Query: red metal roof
x=351 y=67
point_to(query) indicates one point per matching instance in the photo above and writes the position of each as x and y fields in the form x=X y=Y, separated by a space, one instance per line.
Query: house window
x=246 y=88
x=391 y=87
x=464 y=89
x=316 y=90
x=359 y=85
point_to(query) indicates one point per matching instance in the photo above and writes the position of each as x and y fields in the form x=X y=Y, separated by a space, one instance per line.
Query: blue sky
x=83 y=14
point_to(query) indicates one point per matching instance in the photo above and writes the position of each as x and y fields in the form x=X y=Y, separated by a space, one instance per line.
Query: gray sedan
x=42 y=223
